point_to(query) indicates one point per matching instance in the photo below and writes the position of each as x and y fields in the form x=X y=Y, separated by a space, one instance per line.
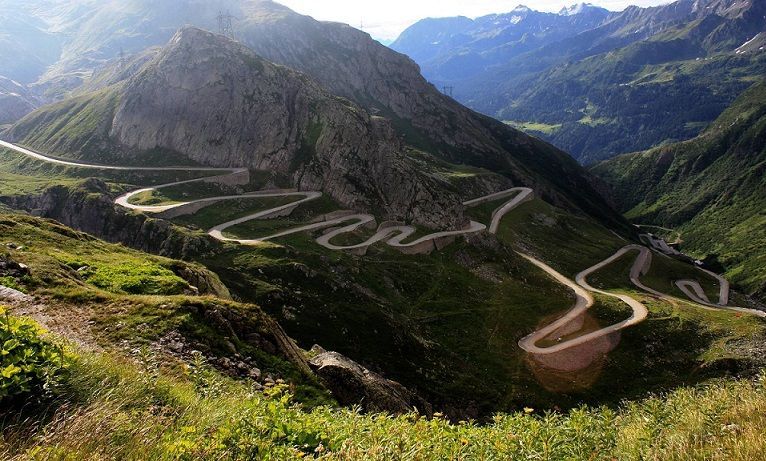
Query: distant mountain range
x=450 y=48
x=597 y=83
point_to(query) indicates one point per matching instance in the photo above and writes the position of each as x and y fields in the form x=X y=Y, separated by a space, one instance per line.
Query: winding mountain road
x=395 y=234
x=584 y=301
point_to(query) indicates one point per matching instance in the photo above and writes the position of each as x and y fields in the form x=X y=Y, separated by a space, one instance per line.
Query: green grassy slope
x=106 y=296
x=471 y=303
x=135 y=400
x=121 y=405
x=111 y=408
x=712 y=189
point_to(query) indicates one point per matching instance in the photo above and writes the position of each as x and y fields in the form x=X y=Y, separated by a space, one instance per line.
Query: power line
x=225 y=21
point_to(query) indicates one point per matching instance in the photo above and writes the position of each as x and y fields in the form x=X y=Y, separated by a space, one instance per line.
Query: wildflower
x=528 y=410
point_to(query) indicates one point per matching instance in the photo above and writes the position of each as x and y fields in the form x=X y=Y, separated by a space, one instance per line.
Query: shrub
x=28 y=363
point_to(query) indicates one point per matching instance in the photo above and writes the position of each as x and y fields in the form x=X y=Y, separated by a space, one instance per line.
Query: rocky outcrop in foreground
x=352 y=384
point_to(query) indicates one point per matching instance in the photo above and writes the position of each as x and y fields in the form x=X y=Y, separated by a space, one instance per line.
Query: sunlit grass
x=110 y=408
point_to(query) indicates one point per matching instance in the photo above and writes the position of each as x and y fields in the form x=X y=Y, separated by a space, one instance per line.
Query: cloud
x=386 y=20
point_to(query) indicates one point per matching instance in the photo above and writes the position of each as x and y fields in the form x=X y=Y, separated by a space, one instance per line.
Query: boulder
x=351 y=384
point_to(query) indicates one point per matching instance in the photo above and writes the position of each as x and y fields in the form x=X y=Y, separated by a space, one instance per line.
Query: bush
x=28 y=363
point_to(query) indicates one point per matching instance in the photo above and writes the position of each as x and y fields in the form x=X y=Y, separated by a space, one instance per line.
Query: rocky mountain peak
x=224 y=103
x=215 y=101
x=578 y=8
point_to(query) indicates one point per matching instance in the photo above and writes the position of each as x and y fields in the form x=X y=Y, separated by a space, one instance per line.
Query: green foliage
x=534 y=127
x=228 y=210
x=11 y=282
x=138 y=278
x=28 y=363
x=64 y=259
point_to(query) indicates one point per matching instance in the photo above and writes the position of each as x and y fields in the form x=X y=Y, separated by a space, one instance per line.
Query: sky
x=385 y=20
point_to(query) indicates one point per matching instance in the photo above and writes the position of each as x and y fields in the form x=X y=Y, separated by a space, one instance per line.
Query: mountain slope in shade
x=15 y=101
x=712 y=189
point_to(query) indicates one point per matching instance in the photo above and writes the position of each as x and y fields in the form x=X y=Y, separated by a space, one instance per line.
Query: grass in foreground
x=111 y=408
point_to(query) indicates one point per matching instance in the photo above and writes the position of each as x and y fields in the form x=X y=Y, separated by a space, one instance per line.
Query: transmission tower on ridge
x=122 y=58
x=225 y=24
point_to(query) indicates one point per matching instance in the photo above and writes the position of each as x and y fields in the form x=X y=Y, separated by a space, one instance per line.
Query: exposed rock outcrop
x=249 y=326
x=90 y=208
x=353 y=384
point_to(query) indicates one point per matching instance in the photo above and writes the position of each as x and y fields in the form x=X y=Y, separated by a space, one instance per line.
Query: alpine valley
x=231 y=231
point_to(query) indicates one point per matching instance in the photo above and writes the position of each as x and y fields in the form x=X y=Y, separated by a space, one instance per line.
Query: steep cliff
x=351 y=64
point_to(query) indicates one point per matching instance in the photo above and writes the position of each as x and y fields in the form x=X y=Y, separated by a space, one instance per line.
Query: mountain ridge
x=348 y=63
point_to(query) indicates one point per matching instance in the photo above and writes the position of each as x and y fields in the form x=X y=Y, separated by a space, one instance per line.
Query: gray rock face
x=217 y=102
x=349 y=63
x=353 y=384
x=11 y=295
